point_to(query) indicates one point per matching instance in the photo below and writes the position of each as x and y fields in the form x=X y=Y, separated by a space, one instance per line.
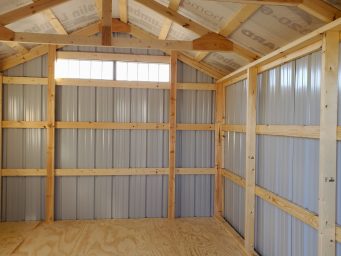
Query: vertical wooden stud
x=1 y=85
x=250 y=161
x=218 y=149
x=106 y=22
x=172 y=136
x=51 y=91
x=328 y=149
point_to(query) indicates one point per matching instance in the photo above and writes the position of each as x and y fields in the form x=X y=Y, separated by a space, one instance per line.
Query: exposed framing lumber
x=196 y=86
x=12 y=80
x=23 y=172
x=111 y=125
x=195 y=171
x=217 y=43
x=232 y=24
x=250 y=159
x=207 y=69
x=40 y=50
x=328 y=148
x=55 y=23
x=1 y=85
x=189 y=24
x=24 y=124
x=25 y=80
x=172 y=136
x=112 y=172
x=105 y=125
x=51 y=93
x=167 y=23
x=264 y=2
x=218 y=149
x=285 y=205
x=113 y=57
x=27 y=10
x=18 y=48
x=111 y=83
x=123 y=7
x=320 y=9
x=106 y=22
x=105 y=172
x=7 y=34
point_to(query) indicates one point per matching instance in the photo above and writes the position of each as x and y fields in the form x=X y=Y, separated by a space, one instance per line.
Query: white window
x=133 y=71
x=84 y=69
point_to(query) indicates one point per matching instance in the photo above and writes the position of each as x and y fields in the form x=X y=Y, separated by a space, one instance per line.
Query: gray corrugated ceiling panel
x=24 y=148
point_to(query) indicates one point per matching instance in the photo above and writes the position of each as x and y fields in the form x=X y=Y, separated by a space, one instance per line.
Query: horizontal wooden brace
x=195 y=127
x=112 y=172
x=111 y=83
x=57 y=39
x=106 y=172
x=23 y=172
x=112 y=125
x=17 y=80
x=103 y=56
x=285 y=205
x=299 y=131
x=25 y=124
x=25 y=80
x=196 y=86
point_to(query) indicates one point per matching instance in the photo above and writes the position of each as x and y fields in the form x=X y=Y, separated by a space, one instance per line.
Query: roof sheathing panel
x=271 y=27
x=76 y=14
x=5 y=50
x=144 y=18
x=177 y=32
x=10 y=5
x=36 y=23
x=212 y=16
x=226 y=61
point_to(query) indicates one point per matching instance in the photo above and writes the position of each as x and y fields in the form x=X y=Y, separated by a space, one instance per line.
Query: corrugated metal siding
x=194 y=193
x=23 y=197
x=234 y=155
x=289 y=94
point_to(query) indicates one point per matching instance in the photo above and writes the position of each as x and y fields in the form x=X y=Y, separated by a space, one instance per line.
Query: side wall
x=286 y=166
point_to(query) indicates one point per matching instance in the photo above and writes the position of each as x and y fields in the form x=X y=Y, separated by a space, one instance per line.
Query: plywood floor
x=190 y=236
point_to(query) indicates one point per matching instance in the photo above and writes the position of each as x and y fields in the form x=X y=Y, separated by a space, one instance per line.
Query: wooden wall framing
x=328 y=39
x=51 y=124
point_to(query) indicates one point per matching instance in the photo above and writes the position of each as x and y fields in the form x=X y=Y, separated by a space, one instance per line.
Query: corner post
x=328 y=140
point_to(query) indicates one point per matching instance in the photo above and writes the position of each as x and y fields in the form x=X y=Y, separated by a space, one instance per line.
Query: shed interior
x=170 y=127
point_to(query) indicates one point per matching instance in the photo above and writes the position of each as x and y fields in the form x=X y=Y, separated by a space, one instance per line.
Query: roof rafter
x=191 y=25
x=167 y=23
x=93 y=29
x=233 y=23
x=28 y=10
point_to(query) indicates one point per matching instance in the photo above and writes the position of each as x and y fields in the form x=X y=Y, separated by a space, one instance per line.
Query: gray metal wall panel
x=103 y=153
x=194 y=193
x=234 y=205
x=338 y=176
x=289 y=94
x=279 y=233
x=24 y=148
x=235 y=103
x=66 y=153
